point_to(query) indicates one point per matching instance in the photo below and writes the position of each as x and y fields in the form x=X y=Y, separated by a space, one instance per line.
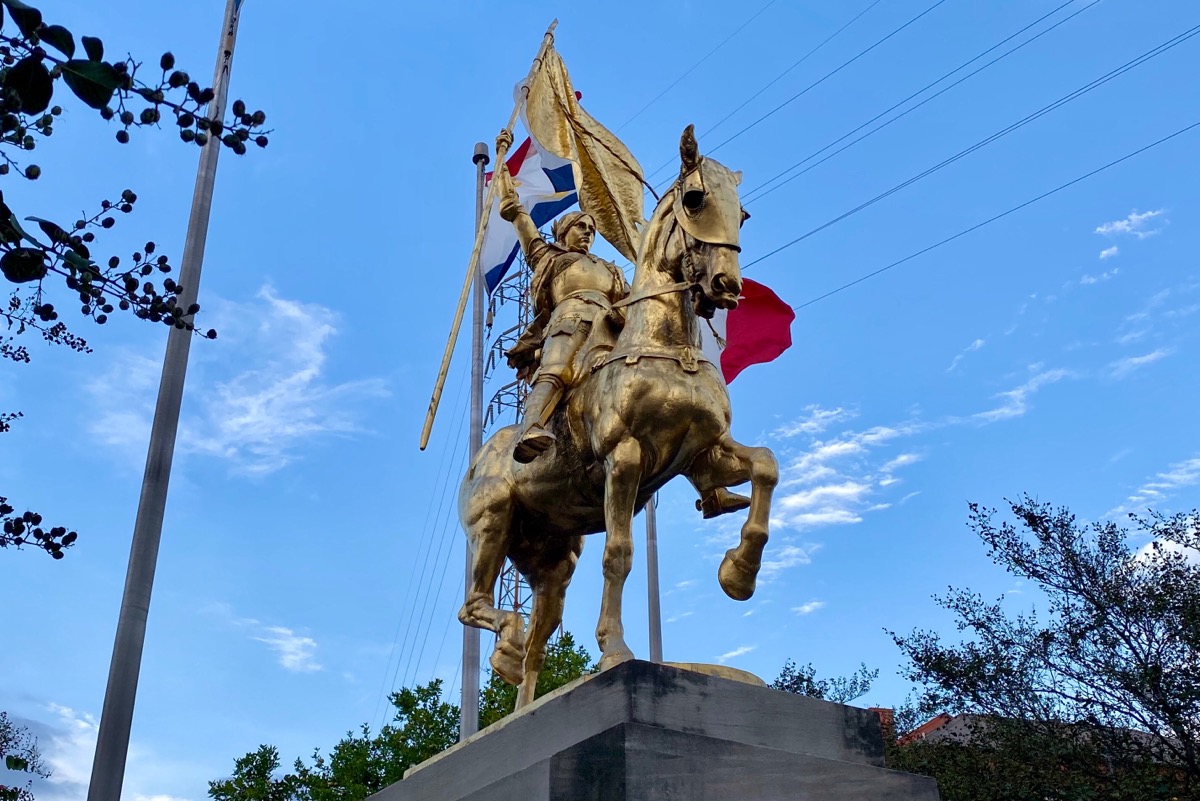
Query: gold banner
x=608 y=177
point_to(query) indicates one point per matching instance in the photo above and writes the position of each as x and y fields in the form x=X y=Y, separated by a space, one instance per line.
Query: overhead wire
x=750 y=195
x=1113 y=74
x=1000 y=216
x=774 y=81
x=425 y=546
x=818 y=82
x=449 y=527
x=695 y=66
x=443 y=540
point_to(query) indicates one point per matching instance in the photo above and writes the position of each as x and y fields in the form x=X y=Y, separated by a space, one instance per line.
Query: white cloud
x=1135 y=225
x=1132 y=336
x=69 y=752
x=257 y=417
x=808 y=608
x=814 y=421
x=903 y=460
x=67 y=742
x=1124 y=367
x=788 y=556
x=680 y=616
x=825 y=517
x=296 y=653
x=1162 y=486
x=261 y=389
x=1088 y=280
x=1191 y=554
x=844 y=492
x=735 y=653
x=1108 y=253
x=1016 y=401
x=974 y=346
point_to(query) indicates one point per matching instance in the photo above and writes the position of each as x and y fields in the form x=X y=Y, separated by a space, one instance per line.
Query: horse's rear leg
x=729 y=464
x=550 y=591
x=623 y=473
x=487 y=519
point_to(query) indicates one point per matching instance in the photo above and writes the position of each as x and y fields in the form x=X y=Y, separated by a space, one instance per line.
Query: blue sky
x=1051 y=352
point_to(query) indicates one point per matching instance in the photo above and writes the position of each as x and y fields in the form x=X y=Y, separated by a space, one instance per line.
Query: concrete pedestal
x=643 y=731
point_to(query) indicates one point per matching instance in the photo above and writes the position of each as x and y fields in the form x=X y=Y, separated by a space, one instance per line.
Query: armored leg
x=721 y=501
x=539 y=407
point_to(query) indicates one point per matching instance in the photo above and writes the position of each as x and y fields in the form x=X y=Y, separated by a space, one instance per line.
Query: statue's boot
x=721 y=501
x=539 y=406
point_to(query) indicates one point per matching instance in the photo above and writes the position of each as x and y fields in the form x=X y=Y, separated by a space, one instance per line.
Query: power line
x=970 y=75
x=442 y=558
x=426 y=543
x=693 y=68
x=774 y=81
x=432 y=597
x=991 y=220
x=1147 y=56
x=821 y=80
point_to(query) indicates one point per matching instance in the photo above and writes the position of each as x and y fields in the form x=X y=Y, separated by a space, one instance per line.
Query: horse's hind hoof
x=616 y=658
x=736 y=577
x=509 y=662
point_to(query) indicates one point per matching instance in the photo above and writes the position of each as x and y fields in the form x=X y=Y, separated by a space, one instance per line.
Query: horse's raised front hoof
x=737 y=578
x=615 y=658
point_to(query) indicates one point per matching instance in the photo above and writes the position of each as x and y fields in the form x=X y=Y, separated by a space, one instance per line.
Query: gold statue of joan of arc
x=572 y=291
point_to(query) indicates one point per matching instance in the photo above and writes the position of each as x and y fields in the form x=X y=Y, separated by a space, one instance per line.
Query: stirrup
x=535 y=441
x=721 y=501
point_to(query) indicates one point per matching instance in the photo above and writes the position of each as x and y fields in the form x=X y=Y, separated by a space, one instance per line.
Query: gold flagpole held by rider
x=480 y=233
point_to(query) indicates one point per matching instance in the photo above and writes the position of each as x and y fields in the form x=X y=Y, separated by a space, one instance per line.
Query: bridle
x=691 y=272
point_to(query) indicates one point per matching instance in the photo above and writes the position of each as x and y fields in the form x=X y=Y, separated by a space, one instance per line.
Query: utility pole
x=116 y=718
x=468 y=722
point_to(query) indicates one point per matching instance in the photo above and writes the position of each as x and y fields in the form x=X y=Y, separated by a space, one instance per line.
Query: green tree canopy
x=362 y=763
x=839 y=689
x=565 y=662
x=1096 y=697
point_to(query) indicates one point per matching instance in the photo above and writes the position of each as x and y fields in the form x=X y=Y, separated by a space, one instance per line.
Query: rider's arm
x=512 y=210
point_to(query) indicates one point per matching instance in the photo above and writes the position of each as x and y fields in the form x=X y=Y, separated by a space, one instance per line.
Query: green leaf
x=49 y=228
x=93 y=82
x=80 y=263
x=30 y=79
x=12 y=221
x=94 y=48
x=27 y=18
x=15 y=763
x=59 y=38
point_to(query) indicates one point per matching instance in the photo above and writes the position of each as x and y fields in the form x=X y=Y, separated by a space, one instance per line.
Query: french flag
x=546 y=186
x=757 y=331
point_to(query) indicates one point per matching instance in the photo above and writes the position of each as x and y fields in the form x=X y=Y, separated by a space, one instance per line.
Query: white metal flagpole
x=468 y=722
x=116 y=718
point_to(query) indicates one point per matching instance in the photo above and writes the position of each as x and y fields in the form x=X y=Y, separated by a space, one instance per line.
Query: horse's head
x=707 y=208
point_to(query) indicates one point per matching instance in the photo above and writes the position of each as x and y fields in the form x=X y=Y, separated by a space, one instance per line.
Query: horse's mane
x=656 y=229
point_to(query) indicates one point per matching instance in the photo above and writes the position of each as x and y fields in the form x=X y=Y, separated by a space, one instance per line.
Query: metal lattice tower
x=508 y=403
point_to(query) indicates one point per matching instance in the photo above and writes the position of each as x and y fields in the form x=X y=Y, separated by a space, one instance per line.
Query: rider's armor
x=570 y=292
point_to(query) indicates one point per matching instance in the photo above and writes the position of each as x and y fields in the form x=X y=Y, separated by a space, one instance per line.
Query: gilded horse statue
x=652 y=408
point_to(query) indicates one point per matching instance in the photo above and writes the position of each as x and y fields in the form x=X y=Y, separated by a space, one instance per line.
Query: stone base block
x=643 y=731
